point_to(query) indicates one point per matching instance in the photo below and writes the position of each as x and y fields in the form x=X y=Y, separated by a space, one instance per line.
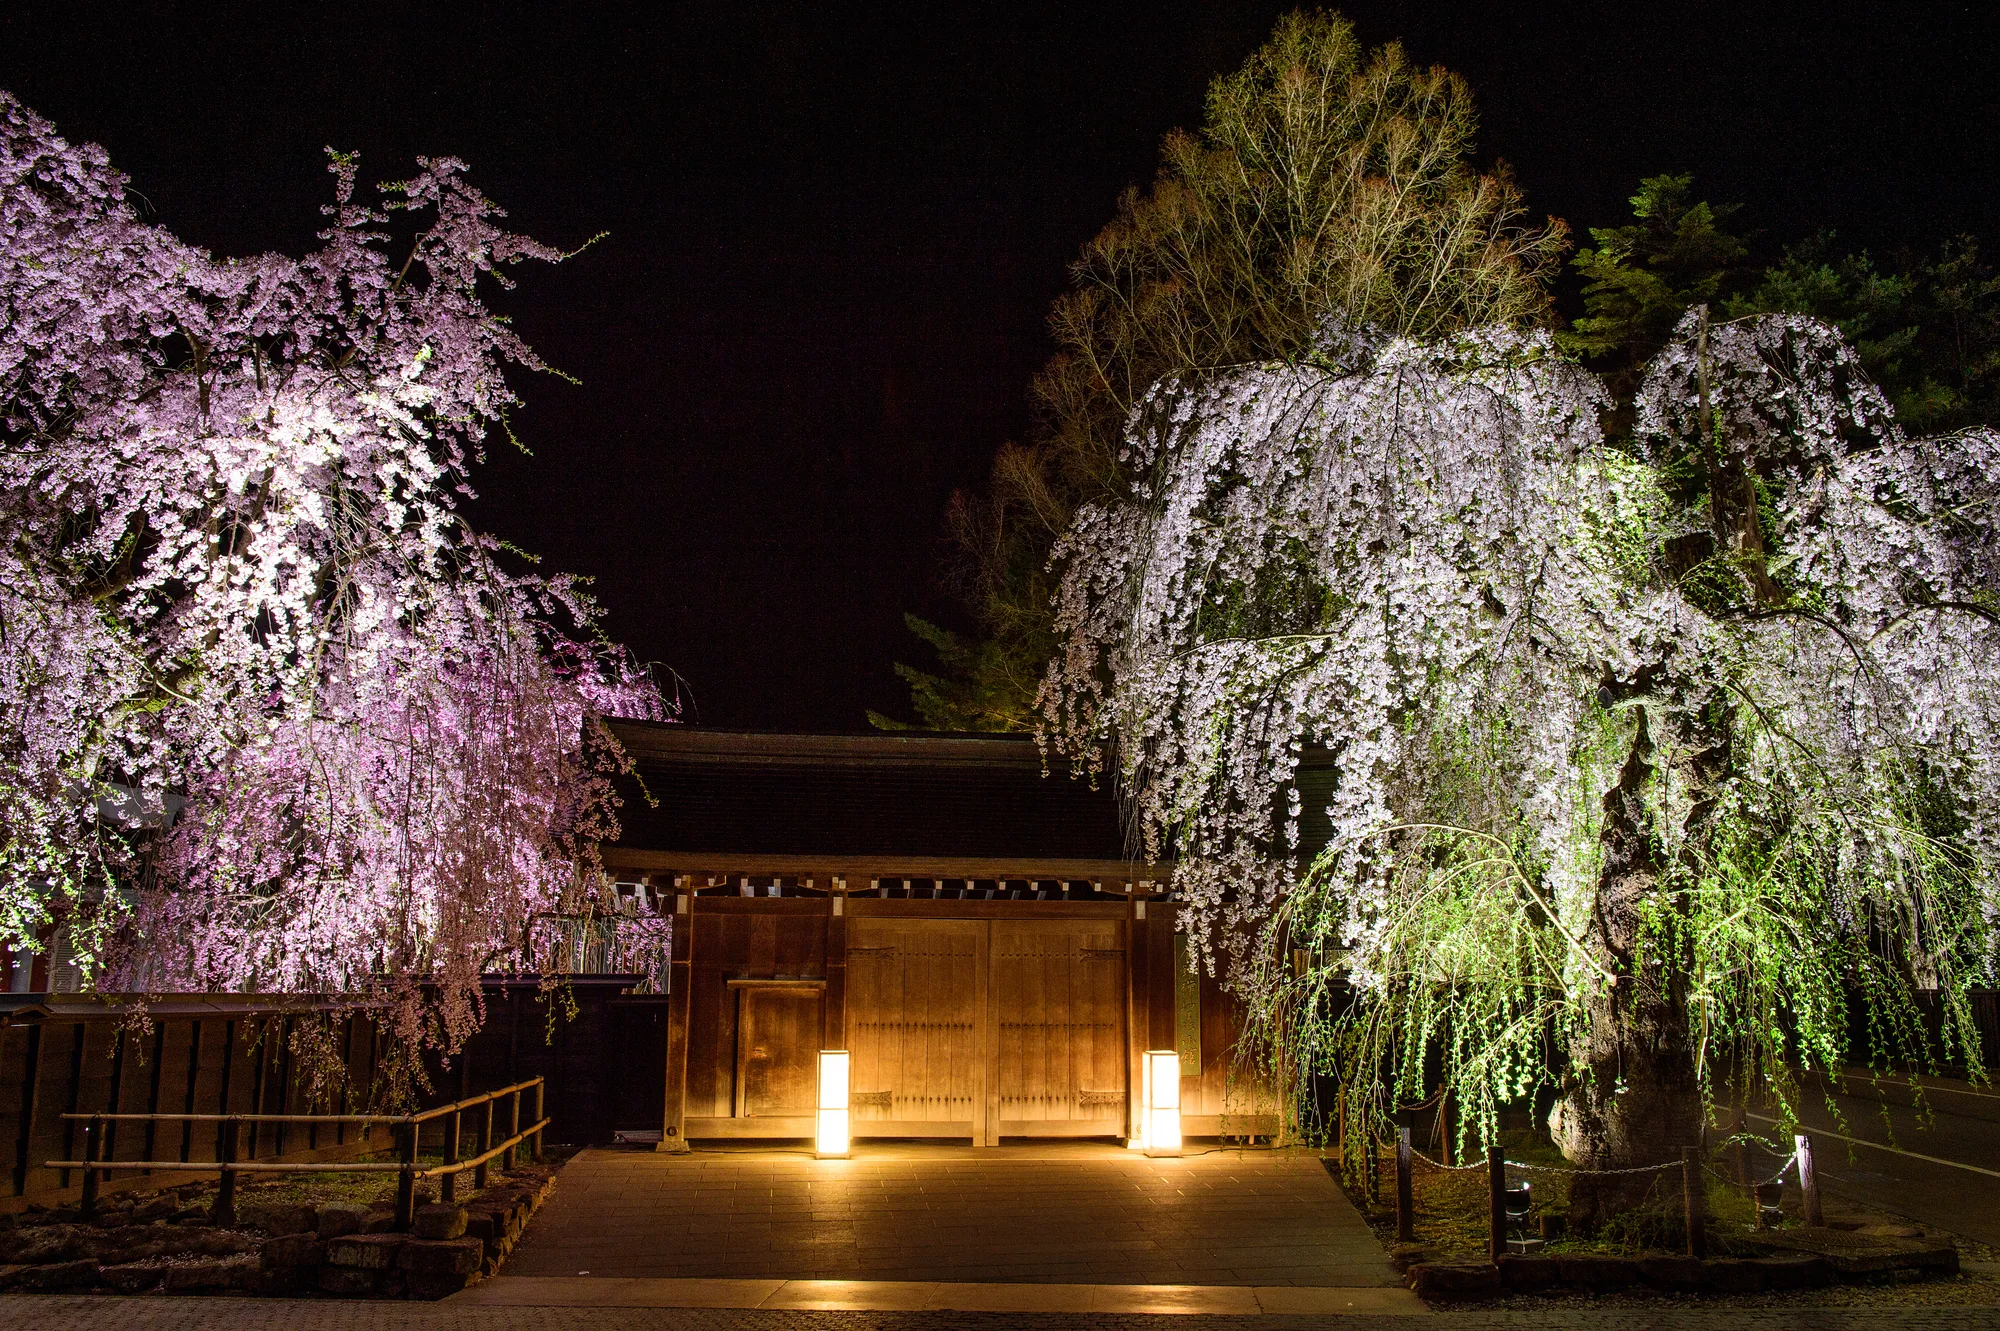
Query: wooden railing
x=404 y=1126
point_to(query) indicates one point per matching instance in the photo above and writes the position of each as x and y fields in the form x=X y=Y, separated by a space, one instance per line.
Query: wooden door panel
x=1059 y=993
x=912 y=1035
x=777 y=1048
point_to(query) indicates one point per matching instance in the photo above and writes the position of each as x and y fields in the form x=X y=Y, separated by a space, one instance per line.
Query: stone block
x=133 y=1277
x=1731 y=1275
x=1802 y=1272
x=1455 y=1280
x=277 y=1218
x=283 y=1282
x=42 y=1245
x=367 y=1252
x=438 y=1221
x=215 y=1273
x=441 y=1256
x=1581 y=1272
x=1667 y=1271
x=378 y=1222
x=159 y=1208
x=294 y=1250
x=81 y=1274
x=349 y=1280
x=1521 y=1272
x=432 y=1287
x=479 y=1225
x=340 y=1218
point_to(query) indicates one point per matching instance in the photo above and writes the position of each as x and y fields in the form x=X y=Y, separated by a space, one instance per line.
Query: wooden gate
x=1058 y=994
x=987 y=1028
x=916 y=989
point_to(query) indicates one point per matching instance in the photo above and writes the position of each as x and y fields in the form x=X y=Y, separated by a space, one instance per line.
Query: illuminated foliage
x=235 y=576
x=1646 y=758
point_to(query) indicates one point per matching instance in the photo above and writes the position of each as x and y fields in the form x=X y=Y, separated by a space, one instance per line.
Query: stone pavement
x=155 y=1313
x=1063 y=1213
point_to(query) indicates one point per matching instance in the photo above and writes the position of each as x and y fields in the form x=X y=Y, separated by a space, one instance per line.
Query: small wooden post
x=536 y=1156
x=224 y=1212
x=1406 y=1216
x=513 y=1129
x=448 y=1183
x=1496 y=1203
x=1808 y=1179
x=93 y=1143
x=406 y=1180
x=485 y=1145
x=1691 y=1198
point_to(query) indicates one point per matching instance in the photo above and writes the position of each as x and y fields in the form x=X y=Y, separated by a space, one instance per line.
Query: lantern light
x=1161 y=1122
x=830 y=1135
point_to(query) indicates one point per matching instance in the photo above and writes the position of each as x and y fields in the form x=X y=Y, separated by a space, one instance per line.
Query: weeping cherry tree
x=235 y=582
x=1653 y=762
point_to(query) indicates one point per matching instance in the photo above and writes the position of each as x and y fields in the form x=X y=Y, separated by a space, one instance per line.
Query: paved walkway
x=110 y=1313
x=937 y=1296
x=1064 y=1214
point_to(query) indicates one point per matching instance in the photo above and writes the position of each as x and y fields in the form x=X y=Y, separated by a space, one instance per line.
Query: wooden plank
x=673 y=1135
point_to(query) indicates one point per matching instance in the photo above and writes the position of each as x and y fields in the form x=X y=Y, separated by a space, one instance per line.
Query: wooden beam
x=833 y=1014
x=1137 y=1007
x=680 y=989
x=861 y=868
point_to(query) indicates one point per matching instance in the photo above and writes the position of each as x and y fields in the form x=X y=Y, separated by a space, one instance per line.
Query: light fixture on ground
x=1161 y=1122
x=830 y=1137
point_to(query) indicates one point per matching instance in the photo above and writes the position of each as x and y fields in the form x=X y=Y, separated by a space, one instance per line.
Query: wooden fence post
x=1808 y=1179
x=231 y=1144
x=1691 y=1198
x=513 y=1129
x=536 y=1157
x=485 y=1145
x=406 y=1179
x=1496 y=1203
x=1406 y=1218
x=448 y=1184
x=93 y=1146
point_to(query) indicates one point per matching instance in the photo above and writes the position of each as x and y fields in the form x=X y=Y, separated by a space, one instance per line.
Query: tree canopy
x=1329 y=186
x=236 y=584
x=1676 y=745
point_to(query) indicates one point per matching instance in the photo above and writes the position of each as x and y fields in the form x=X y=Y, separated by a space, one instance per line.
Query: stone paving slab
x=933 y=1296
x=1067 y=1213
x=155 y=1313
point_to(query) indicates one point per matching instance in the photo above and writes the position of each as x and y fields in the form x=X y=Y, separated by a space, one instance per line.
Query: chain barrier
x=1591 y=1173
x=1778 y=1177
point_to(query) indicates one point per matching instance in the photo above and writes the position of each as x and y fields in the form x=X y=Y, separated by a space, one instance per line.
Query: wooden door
x=915 y=991
x=777 y=1047
x=1059 y=999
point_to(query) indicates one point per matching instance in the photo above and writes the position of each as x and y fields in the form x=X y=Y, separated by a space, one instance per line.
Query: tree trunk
x=1630 y=1100
x=1630 y=1097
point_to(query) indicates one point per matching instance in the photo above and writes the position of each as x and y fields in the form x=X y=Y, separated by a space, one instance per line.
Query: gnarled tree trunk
x=1631 y=1097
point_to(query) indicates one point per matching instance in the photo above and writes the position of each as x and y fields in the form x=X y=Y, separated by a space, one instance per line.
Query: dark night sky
x=835 y=230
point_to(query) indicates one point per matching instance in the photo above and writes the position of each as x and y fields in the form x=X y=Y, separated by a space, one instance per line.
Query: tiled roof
x=905 y=794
